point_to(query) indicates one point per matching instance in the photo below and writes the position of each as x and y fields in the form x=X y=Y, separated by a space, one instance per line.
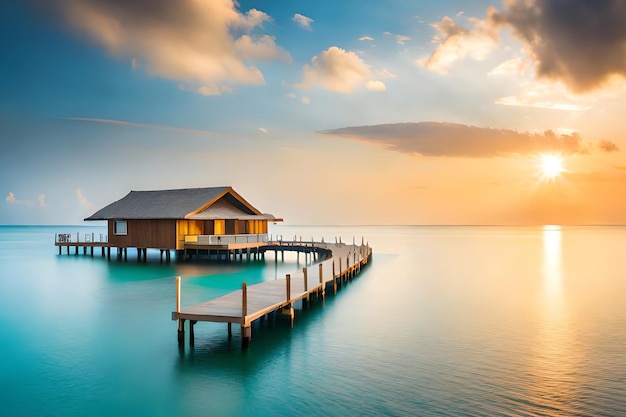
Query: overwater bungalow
x=189 y=221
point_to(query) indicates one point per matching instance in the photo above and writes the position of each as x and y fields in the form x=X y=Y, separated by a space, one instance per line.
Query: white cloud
x=457 y=43
x=13 y=200
x=302 y=20
x=207 y=90
x=544 y=95
x=374 y=85
x=42 y=200
x=87 y=205
x=335 y=70
x=366 y=38
x=400 y=39
x=262 y=130
x=386 y=73
x=512 y=66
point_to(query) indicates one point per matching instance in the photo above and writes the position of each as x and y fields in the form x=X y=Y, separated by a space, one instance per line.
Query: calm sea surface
x=445 y=321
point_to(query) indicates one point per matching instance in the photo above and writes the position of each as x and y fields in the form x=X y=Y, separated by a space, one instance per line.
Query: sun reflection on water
x=552 y=269
x=555 y=356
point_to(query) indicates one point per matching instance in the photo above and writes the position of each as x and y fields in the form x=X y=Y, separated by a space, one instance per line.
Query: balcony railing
x=225 y=239
x=77 y=238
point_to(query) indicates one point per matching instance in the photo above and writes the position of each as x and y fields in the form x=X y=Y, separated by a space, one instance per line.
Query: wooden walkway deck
x=252 y=302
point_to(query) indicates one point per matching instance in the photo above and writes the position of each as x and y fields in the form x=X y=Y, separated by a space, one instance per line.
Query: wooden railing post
x=244 y=302
x=321 y=269
x=178 y=294
x=305 y=272
x=340 y=270
x=288 y=287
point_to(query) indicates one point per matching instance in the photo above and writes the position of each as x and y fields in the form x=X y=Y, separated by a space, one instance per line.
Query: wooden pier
x=255 y=301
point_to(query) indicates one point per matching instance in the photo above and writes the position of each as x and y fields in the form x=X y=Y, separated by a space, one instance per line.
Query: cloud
x=302 y=20
x=607 y=146
x=579 y=43
x=336 y=70
x=512 y=66
x=262 y=130
x=366 y=38
x=262 y=48
x=457 y=43
x=457 y=140
x=400 y=39
x=10 y=198
x=83 y=201
x=42 y=200
x=207 y=90
x=13 y=200
x=374 y=85
x=144 y=126
x=199 y=42
x=543 y=95
x=386 y=74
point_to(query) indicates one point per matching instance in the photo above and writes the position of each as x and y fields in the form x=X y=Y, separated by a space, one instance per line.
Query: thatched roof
x=196 y=203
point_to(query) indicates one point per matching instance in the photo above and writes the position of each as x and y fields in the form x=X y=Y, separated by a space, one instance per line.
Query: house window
x=120 y=227
x=219 y=227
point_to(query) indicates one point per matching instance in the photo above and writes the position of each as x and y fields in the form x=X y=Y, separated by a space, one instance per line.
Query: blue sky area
x=299 y=104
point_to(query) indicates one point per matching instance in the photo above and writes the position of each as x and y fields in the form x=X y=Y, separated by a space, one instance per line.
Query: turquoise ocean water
x=445 y=321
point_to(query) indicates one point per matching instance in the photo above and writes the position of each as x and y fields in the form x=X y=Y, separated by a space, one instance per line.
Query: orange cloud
x=449 y=139
x=608 y=146
x=200 y=42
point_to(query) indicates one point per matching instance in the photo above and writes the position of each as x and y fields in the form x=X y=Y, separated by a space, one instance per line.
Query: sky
x=319 y=112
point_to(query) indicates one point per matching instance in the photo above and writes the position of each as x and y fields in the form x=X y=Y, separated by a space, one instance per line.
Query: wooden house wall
x=160 y=234
x=170 y=234
x=209 y=227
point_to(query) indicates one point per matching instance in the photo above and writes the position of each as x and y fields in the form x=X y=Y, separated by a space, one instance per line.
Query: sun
x=551 y=166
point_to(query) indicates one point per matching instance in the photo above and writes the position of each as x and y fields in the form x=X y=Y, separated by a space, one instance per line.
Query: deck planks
x=268 y=296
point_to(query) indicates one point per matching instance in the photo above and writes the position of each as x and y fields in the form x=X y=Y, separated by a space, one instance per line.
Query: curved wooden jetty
x=252 y=302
